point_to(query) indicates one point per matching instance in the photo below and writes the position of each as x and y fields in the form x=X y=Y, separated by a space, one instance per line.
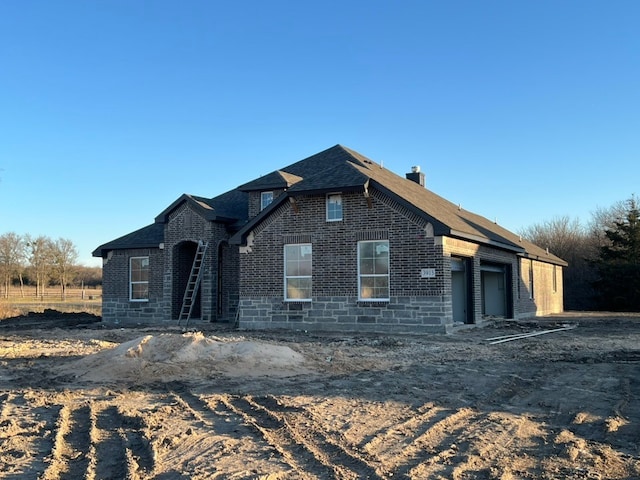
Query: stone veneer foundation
x=399 y=315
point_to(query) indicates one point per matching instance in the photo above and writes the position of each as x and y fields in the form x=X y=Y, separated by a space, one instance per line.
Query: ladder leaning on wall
x=191 y=291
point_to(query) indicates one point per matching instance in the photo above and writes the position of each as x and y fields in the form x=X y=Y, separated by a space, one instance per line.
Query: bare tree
x=63 y=255
x=561 y=235
x=602 y=220
x=39 y=254
x=12 y=255
x=566 y=238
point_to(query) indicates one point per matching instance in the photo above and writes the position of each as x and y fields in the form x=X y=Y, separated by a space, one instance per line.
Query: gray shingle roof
x=336 y=169
x=339 y=169
x=346 y=175
x=230 y=208
x=233 y=205
x=150 y=236
x=273 y=181
x=458 y=222
x=320 y=163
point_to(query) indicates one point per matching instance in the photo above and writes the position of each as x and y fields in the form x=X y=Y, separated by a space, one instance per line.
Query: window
x=297 y=272
x=334 y=207
x=139 y=279
x=555 y=279
x=531 y=279
x=373 y=270
x=265 y=199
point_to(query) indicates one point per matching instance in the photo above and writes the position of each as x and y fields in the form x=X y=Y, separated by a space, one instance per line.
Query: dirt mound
x=50 y=319
x=188 y=356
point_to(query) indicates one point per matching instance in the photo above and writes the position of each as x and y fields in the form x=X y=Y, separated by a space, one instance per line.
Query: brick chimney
x=416 y=175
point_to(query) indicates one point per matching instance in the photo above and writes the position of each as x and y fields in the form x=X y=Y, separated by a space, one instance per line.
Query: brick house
x=332 y=242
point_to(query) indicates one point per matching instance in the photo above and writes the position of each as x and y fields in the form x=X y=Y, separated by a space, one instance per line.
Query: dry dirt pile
x=190 y=356
x=98 y=403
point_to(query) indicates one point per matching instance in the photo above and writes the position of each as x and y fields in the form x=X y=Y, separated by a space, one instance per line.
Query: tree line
x=42 y=262
x=603 y=256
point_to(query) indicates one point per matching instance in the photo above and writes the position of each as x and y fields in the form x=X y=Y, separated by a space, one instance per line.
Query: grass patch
x=17 y=302
x=8 y=311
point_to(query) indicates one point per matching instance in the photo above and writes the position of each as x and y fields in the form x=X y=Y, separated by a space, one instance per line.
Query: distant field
x=19 y=302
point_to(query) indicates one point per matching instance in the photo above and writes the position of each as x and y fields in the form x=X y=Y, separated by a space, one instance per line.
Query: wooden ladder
x=193 y=284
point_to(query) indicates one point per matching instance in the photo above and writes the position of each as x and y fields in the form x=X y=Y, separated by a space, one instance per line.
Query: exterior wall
x=255 y=198
x=228 y=283
x=116 y=306
x=251 y=280
x=479 y=255
x=403 y=314
x=546 y=297
x=185 y=225
x=543 y=299
x=416 y=304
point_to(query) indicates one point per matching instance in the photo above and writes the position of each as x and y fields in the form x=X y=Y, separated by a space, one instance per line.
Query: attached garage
x=462 y=289
x=495 y=281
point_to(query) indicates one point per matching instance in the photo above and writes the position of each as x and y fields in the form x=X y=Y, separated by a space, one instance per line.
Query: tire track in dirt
x=24 y=429
x=332 y=447
x=196 y=407
x=489 y=438
x=121 y=451
x=306 y=450
x=430 y=451
x=395 y=439
x=219 y=431
x=275 y=433
x=70 y=453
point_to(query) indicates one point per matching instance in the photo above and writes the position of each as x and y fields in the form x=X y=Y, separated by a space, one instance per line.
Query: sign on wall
x=428 y=273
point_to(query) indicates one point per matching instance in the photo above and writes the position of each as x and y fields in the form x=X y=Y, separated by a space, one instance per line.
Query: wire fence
x=29 y=294
x=17 y=301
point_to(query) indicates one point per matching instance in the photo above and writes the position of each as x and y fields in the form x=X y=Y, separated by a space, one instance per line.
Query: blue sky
x=520 y=111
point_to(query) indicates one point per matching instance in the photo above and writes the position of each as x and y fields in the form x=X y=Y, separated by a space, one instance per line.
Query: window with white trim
x=334 y=207
x=265 y=199
x=139 y=279
x=373 y=270
x=297 y=271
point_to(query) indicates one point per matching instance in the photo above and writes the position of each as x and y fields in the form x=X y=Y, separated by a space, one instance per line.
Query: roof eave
x=102 y=250
x=553 y=260
x=334 y=189
x=487 y=241
x=265 y=187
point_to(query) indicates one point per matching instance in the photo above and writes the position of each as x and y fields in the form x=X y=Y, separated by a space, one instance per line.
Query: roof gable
x=199 y=204
x=293 y=175
x=341 y=169
x=458 y=221
x=344 y=175
x=326 y=160
x=272 y=181
x=228 y=207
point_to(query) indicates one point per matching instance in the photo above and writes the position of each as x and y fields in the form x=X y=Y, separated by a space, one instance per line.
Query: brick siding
x=169 y=271
x=416 y=303
x=116 y=306
x=251 y=281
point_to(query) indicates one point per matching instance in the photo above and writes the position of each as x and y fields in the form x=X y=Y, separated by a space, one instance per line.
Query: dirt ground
x=78 y=400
